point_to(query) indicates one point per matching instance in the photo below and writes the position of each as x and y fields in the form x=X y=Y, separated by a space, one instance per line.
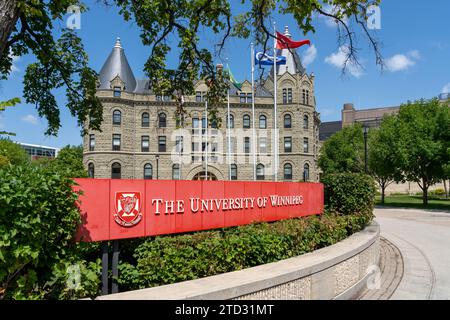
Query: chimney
x=219 y=68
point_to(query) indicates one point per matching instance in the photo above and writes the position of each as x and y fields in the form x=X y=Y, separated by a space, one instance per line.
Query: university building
x=140 y=139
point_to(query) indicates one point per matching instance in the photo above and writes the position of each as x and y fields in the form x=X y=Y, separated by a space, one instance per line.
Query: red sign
x=119 y=209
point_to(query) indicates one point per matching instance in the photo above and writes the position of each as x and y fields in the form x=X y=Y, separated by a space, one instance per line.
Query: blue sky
x=416 y=46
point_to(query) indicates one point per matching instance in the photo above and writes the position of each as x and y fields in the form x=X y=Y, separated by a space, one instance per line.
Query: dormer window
x=287 y=95
x=200 y=96
x=117 y=91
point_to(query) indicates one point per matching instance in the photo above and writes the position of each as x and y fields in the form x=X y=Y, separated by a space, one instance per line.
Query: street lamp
x=157 y=166
x=366 y=131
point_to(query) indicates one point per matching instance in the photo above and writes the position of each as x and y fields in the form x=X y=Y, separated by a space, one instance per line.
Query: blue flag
x=265 y=60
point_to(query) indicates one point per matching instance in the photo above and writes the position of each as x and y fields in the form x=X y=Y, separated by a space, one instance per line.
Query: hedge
x=349 y=193
x=170 y=259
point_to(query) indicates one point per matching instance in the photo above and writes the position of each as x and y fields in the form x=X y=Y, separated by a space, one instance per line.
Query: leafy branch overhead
x=27 y=26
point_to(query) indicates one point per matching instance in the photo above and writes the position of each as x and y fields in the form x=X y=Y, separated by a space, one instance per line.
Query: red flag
x=284 y=42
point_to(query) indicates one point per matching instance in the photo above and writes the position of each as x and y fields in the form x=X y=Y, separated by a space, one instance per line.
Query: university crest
x=128 y=208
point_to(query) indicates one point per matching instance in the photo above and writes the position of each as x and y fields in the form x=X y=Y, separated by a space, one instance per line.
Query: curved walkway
x=423 y=239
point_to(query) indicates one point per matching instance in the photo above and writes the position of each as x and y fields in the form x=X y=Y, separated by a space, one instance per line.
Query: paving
x=422 y=239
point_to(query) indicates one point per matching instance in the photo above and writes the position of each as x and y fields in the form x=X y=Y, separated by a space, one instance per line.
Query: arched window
x=91 y=170
x=287 y=121
x=148 y=171
x=176 y=172
x=117 y=117
x=162 y=123
x=305 y=122
x=116 y=171
x=260 y=172
x=145 y=120
x=262 y=122
x=288 y=171
x=233 y=172
x=306 y=172
x=246 y=121
x=231 y=121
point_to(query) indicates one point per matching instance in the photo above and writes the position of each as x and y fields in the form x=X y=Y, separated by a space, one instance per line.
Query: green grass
x=406 y=201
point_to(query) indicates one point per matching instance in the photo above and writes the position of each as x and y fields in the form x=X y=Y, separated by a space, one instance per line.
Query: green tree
x=423 y=133
x=69 y=162
x=3 y=106
x=383 y=154
x=344 y=151
x=13 y=153
x=27 y=26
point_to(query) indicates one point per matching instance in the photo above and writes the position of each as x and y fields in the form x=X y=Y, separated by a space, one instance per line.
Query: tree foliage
x=343 y=152
x=68 y=163
x=27 y=26
x=3 y=106
x=13 y=153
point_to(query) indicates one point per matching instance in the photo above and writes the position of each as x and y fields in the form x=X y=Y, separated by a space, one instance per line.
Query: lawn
x=407 y=201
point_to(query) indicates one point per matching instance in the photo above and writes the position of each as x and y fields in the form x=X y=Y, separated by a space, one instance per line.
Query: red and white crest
x=128 y=208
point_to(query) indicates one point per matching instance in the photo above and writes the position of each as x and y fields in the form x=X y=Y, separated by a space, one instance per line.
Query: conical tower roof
x=293 y=63
x=117 y=65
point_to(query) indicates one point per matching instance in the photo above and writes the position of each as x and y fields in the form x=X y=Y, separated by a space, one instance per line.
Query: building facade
x=38 y=151
x=140 y=139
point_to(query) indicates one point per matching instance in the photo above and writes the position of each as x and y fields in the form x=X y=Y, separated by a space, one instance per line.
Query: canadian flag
x=284 y=42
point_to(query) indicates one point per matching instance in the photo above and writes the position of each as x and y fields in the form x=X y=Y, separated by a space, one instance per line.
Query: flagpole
x=206 y=138
x=253 y=110
x=275 y=102
x=229 y=133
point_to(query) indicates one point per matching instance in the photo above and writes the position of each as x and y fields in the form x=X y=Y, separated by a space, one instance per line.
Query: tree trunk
x=445 y=188
x=383 y=190
x=425 y=191
x=9 y=13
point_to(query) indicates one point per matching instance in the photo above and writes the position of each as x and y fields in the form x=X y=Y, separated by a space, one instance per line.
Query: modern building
x=38 y=151
x=140 y=139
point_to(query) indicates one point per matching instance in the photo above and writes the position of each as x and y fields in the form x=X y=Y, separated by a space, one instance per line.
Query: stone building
x=140 y=139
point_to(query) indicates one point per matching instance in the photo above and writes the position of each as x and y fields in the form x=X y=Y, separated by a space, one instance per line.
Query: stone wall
x=336 y=272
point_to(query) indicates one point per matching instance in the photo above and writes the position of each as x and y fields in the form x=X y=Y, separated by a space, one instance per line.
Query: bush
x=169 y=259
x=38 y=217
x=438 y=193
x=13 y=153
x=349 y=193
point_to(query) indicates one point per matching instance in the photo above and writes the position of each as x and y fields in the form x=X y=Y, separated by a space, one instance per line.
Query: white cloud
x=331 y=22
x=310 y=55
x=14 y=58
x=30 y=119
x=446 y=88
x=339 y=60
x=402 y=62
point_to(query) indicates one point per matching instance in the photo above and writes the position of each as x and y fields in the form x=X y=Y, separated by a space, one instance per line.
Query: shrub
x=349 y=193
x=13 y=152
x=38 y=217
x=438 y=192
x=169 y=259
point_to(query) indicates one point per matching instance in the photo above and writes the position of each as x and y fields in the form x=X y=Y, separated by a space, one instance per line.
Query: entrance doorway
x=202 y=176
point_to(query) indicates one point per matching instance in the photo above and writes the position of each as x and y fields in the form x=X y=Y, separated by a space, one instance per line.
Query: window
x=307 y=97
x=148 y=171
x=158 y=98
x=116 y=170
x=195 y=125
x=306 y=172
x=249 y=97
x=246 y=121
x=284 y=96
x=176 y=172
x=91 y=142
x=289 y=98
x=145 y=120
x=247 y=144
x=305 y=145
x=231 y=121
x=304 y=96
x=262 y=145
x=116 y=142
x=260 y=172
x=287 y=121
x=162 y=143
x=287 y=144
x=117 y=91
x=179 y=144
x=233 y=174
x=180 y=120
x=262 y=122
x=288 y=171
x=91 y=170
x=200 y=96
x=145 y=144
x=305 y=122
x=117 y=117
x=243 y=97
x=162 y=120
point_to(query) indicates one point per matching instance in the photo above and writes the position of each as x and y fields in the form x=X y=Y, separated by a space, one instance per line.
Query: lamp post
x=157 y=166
x=366 y=130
